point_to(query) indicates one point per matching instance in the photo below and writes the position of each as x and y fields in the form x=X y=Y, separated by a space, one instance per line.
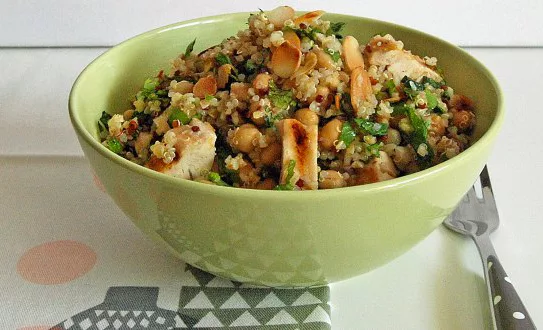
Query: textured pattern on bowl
x=278 y=238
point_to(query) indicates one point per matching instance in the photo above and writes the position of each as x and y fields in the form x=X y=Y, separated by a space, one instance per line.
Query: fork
x=478 y=217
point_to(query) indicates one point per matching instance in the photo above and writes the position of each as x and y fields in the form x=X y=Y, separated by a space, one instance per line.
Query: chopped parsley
x=347 y=134
x=333 y=54
x=374 y=149
x=376 y=129
x=114 y=145
x=216 y=179
x=335 y=29
x=190 y=48
x=251 y=67
x=102 y=122
x=390 y=86
x=290 y=173
x=178 y=114
x=420 y=132
x=431 y=100
x=149 y=91
x=429 y=81
x=309 y=32
x=222 y=59
x=283 y=99
x=411 y=87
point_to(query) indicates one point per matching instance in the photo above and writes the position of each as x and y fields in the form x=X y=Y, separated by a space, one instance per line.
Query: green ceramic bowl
x=278 y=238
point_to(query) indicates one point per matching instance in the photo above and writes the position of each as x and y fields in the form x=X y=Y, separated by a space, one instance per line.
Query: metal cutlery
x=478 y=217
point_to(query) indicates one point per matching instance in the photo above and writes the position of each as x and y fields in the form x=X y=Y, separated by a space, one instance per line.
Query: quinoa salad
x=291 y=103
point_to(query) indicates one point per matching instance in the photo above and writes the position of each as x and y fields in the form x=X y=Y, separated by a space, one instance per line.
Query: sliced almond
x=279 y=15
x=223 y=75
x=324 y=60
x=351 y=53
x=205 y=86
x=286 y=60
x=293 y=38
x=360 y=87
x=309 y=18
x=310 y=61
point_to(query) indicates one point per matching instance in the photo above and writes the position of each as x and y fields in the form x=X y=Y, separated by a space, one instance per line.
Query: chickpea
x=330 y=133
x=393 y=136
x=261 y=82
x=331 y=179
x=241 y=90
x=244 y=136
x=437 y=125
x=402 y=157
x=271 y=154
x=266 y=184
x=307 y=117
x=254 y=107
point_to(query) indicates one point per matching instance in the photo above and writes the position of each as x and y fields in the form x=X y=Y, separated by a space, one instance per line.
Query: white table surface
x=436 y=285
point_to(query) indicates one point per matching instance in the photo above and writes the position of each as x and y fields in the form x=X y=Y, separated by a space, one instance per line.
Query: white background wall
x=107 y=22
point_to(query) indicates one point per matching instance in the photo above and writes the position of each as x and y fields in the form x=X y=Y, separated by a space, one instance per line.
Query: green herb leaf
x=370 y=127
x=333 y=54
x=374 y=149
x=390 y=86
x=420 y=135
x=222 y=59
x=178 y=114
x=216 y=179
x=400 y=108
x=290 y=173
x=102 y=122
x=283 y=99
x=429 y=81
x=114 y=145
x=431 y=100
x=335 y=28
x=347 y=134
x=411 y=87
x=190 y=48
x=149 y=90
x=251 y=67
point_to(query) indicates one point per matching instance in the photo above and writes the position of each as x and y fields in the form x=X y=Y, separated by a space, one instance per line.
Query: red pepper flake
x=176 y=123
x=195 y=128
x=373 y=81
x=303 y=26
x=132 y=127
x=300 y=183
x=319 y=98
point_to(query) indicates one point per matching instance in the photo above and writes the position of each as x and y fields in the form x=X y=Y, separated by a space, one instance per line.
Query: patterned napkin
x=208 y=302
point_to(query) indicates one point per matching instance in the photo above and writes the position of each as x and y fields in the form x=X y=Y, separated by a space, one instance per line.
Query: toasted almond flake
x=351 y=53
x=279 y=15
x=205 y=86
x=310 y=61
x=309 y=18
x=324 y=60
x=360 y=86
x=286 y=60
x=293 y=38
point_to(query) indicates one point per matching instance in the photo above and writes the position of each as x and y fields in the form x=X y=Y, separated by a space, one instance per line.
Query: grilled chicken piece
x=299 y=145
x=385 y=51
x=378 y=169
x=194 y=151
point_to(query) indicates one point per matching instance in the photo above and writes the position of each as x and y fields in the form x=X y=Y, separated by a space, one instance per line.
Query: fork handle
x=509 y=311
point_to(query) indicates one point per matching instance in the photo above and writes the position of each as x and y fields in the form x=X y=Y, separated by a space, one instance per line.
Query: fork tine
x=485 y=179
x=471 y=195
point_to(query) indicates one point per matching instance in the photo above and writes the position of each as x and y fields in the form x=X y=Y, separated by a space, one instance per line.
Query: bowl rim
x=485 y=139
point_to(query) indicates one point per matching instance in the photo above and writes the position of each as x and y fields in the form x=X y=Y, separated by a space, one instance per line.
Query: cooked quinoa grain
x=292 y=104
